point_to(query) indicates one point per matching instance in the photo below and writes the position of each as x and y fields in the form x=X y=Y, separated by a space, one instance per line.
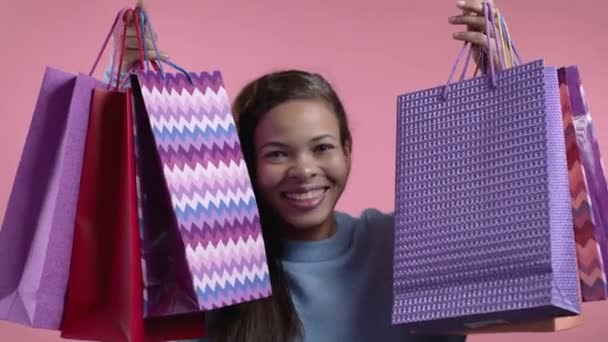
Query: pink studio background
x=371 y=50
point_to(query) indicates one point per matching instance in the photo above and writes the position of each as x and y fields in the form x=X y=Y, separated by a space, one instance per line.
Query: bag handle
x=467 y=45
x=122 y=14
x=140 y=47
x=142 y=24
x=145 y=24
x=505 y=52
x=514 y=59
x=120 y=83
x=503 y=39
x=119 y=15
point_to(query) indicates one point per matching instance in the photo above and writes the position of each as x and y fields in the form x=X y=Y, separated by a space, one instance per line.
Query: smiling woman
x=297 y=143
x=331 y=271
x=302 y=166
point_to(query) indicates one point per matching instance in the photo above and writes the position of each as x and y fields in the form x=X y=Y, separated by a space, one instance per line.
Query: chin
x=302 y=219
x=307 y=221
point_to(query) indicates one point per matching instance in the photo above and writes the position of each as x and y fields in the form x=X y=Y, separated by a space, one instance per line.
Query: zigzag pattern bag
x=202 y=245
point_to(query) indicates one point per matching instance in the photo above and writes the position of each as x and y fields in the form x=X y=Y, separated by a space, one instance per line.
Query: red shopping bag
x=104 y=298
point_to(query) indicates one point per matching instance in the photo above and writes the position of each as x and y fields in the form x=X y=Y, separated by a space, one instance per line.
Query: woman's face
x=301 y=165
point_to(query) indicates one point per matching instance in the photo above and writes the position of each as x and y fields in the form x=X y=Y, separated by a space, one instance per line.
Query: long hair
x=272 y=319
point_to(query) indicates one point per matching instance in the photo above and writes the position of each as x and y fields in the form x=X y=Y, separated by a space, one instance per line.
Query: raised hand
x=472 y=17
x=131 y=54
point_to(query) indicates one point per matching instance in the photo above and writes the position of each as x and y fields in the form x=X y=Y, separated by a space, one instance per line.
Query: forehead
x=297 y=120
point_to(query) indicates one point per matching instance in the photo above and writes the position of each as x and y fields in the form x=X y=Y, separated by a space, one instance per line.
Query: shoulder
x=371 y=227
x=372 y=219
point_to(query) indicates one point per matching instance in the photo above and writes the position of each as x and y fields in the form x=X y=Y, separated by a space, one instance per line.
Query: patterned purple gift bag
x=211 y=195
x=484 y=231
x=202 y=244
x=168 y=289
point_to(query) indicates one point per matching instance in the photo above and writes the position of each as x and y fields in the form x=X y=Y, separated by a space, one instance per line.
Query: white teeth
x=303 y=196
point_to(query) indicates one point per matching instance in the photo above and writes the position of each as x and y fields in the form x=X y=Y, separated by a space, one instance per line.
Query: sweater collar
x=321 y=250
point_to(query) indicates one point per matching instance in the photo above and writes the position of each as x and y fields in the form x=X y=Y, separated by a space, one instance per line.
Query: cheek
x=338 y=167
x=268 y=176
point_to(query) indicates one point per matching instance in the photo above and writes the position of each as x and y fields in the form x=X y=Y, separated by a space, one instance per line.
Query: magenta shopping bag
x=36 y=235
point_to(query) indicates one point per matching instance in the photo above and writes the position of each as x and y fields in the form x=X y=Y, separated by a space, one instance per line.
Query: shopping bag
x=586 y=179
x=98 y=293
x=36 y=235
x=164 y=268
x=212 y=200
x=201 y=235
x=484 y=231
x=104 y=299
x=168 y=288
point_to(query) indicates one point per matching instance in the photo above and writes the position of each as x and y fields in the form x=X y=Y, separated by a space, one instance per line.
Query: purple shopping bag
x=36 y=235
x=484 y=231
x=38 y=227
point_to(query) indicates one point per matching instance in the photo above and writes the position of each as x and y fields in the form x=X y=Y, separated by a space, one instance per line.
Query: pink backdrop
x=371 y=50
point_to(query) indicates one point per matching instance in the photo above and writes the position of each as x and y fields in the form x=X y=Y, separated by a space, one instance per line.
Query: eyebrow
x=283 y=145
x=322 y=136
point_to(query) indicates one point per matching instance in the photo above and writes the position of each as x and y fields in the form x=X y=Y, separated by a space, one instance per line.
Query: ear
x=348 y=154
x=347 y=147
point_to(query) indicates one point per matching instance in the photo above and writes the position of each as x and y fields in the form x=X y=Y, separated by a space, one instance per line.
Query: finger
x=150 y=54
x=133 y=43
x=154 y=57
x=140 y=4
x=132 y=32
x=475 y=38
x=132 y=57
x=130 y=18
x=479 y=41
x=466 y=19
x=475 y=6
x=473 y=22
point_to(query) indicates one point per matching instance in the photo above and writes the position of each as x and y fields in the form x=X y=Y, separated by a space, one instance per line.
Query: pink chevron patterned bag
x=202 y=245
x=588 y=187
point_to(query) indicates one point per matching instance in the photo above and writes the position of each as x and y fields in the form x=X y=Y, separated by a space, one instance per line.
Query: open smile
x=305 y=199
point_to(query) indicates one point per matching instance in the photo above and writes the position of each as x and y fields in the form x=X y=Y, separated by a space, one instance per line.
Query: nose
x=304 y=167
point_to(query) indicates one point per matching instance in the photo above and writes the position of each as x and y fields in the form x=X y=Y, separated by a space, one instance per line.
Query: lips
x=305 y=198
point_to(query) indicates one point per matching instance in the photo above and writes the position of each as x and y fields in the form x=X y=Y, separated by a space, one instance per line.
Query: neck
x=316 y=233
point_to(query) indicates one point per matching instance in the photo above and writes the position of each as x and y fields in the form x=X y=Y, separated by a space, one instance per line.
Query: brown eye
x=323 y=148
x=275 y=155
